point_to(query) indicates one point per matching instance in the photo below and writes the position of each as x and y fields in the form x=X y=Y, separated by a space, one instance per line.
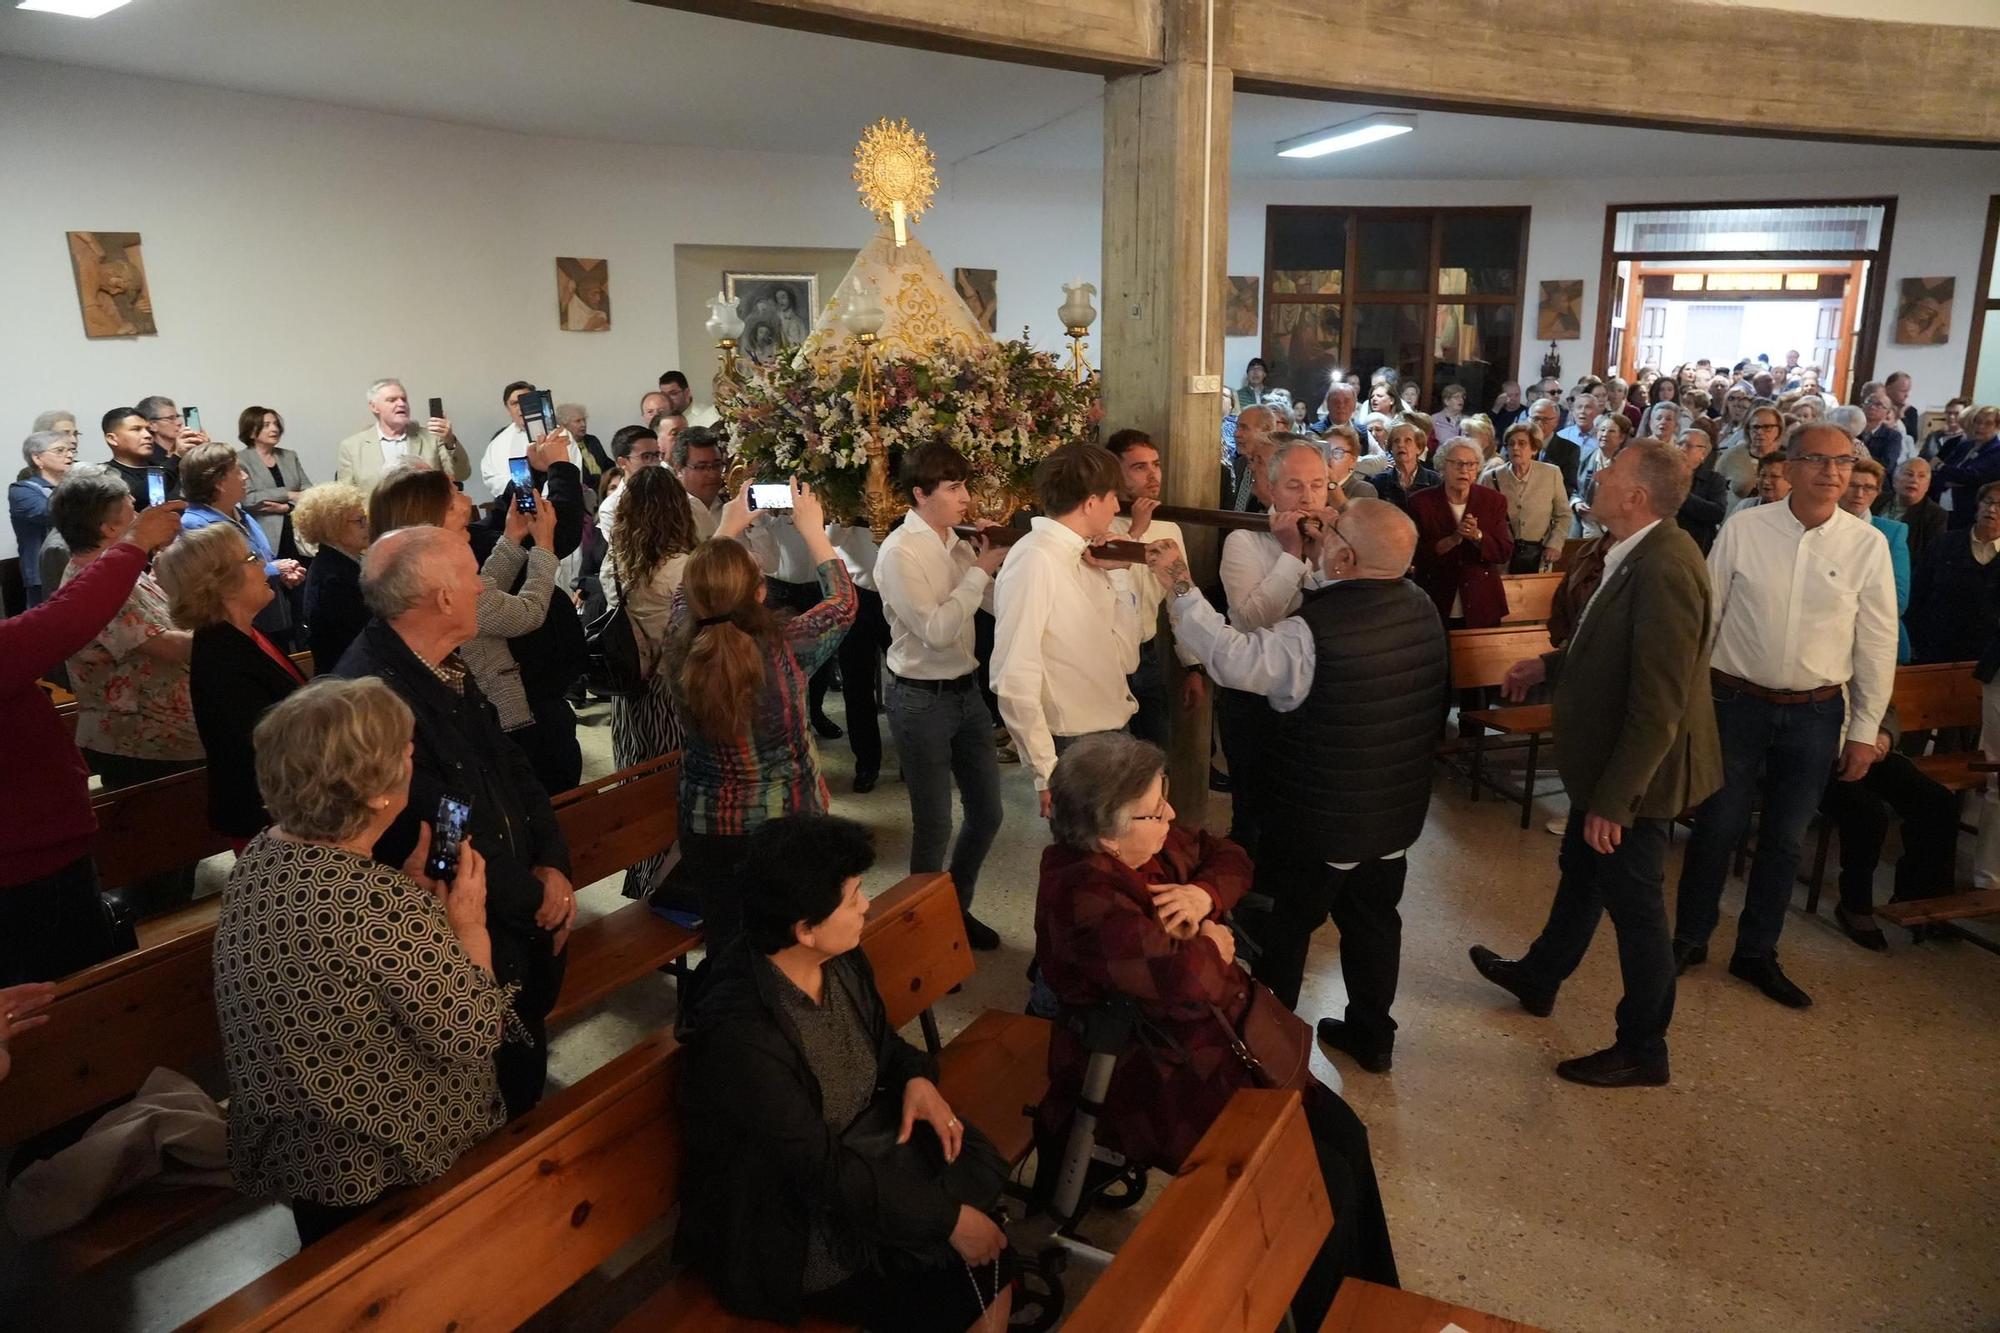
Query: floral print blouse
x=127 y=702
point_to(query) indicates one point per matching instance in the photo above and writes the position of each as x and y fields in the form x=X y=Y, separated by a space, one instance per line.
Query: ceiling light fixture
x=1353 y=134
x=76 y=9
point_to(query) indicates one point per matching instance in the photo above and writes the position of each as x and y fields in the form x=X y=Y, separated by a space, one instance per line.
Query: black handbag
x=977 y=1179
x=611 y=646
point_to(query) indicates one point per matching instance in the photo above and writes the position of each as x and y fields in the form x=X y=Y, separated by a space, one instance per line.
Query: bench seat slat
x=1950 y=907
x=1365 y=1307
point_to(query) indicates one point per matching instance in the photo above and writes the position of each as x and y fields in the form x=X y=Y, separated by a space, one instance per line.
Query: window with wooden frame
x=1433 y=293
x=1982 y=352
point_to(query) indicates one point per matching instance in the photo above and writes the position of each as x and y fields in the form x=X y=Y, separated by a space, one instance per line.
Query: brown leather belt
x=1756 y=691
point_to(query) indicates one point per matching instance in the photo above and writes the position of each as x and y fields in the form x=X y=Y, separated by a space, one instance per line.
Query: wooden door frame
x=1876 y=295
x=1982 y=303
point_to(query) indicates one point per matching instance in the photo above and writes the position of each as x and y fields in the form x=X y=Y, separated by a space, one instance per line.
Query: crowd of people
x=1743 y=563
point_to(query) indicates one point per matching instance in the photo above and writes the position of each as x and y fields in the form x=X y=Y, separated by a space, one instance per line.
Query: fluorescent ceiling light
x=1369 y=129
x=76 y=9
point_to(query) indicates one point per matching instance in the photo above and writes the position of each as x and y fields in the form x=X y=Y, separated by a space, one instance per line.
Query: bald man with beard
x=1360 y=672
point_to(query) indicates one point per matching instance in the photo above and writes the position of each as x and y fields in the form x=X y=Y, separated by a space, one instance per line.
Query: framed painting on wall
x=583 y=295
x=1560 y=316
x=777 y=310
x=111 y=284
x=1923 y=311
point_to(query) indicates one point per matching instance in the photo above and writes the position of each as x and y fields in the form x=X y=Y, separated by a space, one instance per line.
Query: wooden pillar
x=1166 y=151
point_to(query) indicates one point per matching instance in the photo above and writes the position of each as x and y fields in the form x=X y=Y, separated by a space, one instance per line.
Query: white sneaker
x=1559 y=825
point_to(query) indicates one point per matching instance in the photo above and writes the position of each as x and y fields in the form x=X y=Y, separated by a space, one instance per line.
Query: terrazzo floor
x=1832 y=1169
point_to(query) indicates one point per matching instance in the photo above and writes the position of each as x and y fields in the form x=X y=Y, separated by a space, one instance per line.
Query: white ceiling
x=618 y=70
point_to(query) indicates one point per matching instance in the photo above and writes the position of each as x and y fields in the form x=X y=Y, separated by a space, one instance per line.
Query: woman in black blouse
x=333 y=517
x=216 y=586
x=358 y=1007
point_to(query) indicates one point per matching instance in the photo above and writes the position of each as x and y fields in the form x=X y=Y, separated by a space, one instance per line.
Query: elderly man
x=1582 y=429
x=1707 y=502
x=172 y=436
x=1881 y=436
x=651 y=405
x=1338 y=408
x=1254 y=428
x=1557 y=448
x=1805 y=612
x=48 y=454
x=1636 y=745
x=1911 y=505
x=696 y=458
x=1361 y=672
x=363 y=457
x=423 y=587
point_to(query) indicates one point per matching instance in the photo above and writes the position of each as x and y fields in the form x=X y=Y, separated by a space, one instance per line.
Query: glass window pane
x=1986 y=375
x=1301 y=349
x=1393 y=254
x=1480 y=255
x=1474 y=347
x=1308 y=252
x=1389 y=335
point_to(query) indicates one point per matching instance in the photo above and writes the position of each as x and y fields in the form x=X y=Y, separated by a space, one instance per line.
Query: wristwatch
x=1182 y=587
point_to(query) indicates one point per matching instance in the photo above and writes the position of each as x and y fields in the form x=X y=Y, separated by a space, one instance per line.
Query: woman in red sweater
x=51 y=922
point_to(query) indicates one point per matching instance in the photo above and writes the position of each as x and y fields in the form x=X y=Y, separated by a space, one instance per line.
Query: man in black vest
x=1361 y=669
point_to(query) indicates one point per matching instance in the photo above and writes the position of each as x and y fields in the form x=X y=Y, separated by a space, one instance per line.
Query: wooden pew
x=1949 y=907
x=112 y=1024
x=1364 y=1307
x=1530 y=597
x=152 y=828
x=1479 y=659
x=1226 y=1244
x=573 y=1182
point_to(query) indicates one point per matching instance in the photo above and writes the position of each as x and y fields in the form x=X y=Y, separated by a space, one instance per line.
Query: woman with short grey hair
x=48 y=454
x=358 y=1006
x=1129 y=907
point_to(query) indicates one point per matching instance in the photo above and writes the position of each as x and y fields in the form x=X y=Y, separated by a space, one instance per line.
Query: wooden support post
x=1166 y=152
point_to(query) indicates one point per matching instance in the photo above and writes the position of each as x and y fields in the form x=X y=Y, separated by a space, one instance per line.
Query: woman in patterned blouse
x=737 y=675
x=357 y=1002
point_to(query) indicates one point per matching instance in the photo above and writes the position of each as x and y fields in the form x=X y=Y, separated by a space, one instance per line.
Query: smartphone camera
x=156 y=486
x=771 y=495
x=437 y=408
x=524 y=485
x=447 y=832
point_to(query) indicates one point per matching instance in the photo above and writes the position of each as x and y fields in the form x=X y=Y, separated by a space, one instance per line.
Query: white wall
x=296 y=251
x=1938 y=232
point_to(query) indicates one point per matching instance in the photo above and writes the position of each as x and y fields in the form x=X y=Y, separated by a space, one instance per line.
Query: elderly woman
x=214 y=485
x=1463 y=541
x=1910 y=504
x=1445 y=422
x=216 y=586
x=358 y=1008
x=1707 y=502
x=1762 y=433
x=1864 y=488
x=333 y=516
x=1968 y=463
x=1614 y=430
x=1406 y=473
x=1129 y=906
x=1537 y=501
x=798 y=1199
x=643 y=568
x=277 y=478
x=134 y=720
x=48 y=455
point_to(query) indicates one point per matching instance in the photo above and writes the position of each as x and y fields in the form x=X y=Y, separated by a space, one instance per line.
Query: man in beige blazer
x=363 y=457
x=1636 y=746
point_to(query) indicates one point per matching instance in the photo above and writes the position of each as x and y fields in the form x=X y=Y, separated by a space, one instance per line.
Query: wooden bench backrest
x=526 y=1214
x=1225 y=1245
x=621 y=820
x=915 y=940
x=1939 y=695
x=1482 y=656
x=152 y=828
x=111 y=1026
x=1529 y=597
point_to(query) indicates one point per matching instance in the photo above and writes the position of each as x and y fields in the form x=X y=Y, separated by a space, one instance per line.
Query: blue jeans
x=1630 y=884
x=1788 y=750
x=944 y=735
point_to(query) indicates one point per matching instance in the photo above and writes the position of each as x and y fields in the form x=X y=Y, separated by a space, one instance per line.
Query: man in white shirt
x=695 y=454
x=511 y=442
x=632 y=448
x=362 y=458
x=933 y=583
x=1142 y=481
x=680 y=400
x=1805 y=611
x=1361 y=674
x=1067 y=631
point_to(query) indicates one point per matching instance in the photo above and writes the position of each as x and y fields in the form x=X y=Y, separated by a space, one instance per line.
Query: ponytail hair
x=717 y=658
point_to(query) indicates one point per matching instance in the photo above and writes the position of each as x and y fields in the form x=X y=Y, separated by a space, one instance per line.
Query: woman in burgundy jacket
x=1461 y=552
x=1130 y=905
x=51 y=922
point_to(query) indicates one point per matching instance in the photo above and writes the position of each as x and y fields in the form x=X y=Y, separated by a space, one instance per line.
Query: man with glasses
x=172 y=436
x=49 y=454
x=697 y=460
x=1805 y=613
x=1737 y=464
x=363 y=457
x=1557 y=448
x=1881 y=436
x=1360 y=671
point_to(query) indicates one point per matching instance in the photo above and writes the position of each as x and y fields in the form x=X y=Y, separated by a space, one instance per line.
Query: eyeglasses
x=66 y=450
x=1761 y=426
x=1833 y=462
x=650 y=456
x=161 y=421
x=704 y=467
x=1165 y=812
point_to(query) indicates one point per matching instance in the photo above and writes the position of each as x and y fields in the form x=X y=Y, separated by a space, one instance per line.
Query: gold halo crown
x=893 y=163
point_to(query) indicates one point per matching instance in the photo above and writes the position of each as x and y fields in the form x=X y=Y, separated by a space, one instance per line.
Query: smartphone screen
x=771 y=495
x=446 y=833
x=524 y=485
x=156 y=486
x=191 y=418
x=437 y=408
x=538 y=413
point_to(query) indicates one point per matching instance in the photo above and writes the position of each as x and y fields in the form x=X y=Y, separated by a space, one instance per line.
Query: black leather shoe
x=865 y=783
x=826 y=727
x=1868 y=937
x=1507 y=976
x=980 y=935
x=1613 y=1068
x=1688 y=955
x=1341 y=1037
x=1767 y=976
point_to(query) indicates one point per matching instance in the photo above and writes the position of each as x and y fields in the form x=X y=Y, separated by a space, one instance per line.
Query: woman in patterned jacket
x=358 y=1007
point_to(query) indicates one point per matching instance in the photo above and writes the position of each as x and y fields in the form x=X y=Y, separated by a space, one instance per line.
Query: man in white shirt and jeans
x=1067 y=631
x=933 y=583
x=1139 y=464
x=1805 y=611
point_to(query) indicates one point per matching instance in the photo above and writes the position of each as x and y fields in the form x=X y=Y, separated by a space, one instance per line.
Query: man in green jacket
x=1636 y=745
